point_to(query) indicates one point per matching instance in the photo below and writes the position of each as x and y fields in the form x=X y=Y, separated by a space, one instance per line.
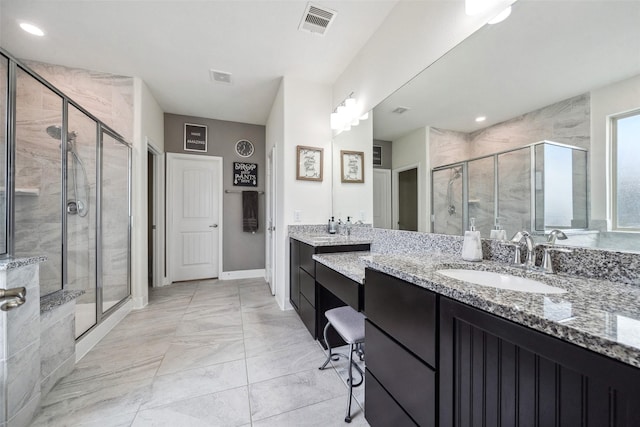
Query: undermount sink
x=501 y=281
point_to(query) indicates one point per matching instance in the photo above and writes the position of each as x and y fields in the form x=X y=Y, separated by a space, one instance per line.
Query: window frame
x=613 y=176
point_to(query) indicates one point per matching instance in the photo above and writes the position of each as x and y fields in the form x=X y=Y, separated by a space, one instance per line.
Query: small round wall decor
x=244 y=148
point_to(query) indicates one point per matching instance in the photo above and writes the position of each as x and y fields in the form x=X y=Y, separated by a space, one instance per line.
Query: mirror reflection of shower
x=456 y=173
x=78 y=203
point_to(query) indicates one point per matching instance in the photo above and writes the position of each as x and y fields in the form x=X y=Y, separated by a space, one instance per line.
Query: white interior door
x=382 y=198
x=195 y=212
x=271 y=220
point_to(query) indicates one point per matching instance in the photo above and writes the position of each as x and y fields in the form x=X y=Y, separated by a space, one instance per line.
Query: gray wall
x=386 y=153
x=241 y=251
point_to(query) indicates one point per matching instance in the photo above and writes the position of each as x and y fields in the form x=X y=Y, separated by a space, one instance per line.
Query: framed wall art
x=195 y=138
x=352 y=166
x=309 y=163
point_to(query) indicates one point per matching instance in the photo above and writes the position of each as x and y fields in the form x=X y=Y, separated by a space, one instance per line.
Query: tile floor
x=208 y=353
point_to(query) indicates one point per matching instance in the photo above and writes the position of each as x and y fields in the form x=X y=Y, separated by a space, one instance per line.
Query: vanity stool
x=349 y=324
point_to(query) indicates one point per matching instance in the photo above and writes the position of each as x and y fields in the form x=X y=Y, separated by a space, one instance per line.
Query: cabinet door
x=294 y=278
x=495 y=372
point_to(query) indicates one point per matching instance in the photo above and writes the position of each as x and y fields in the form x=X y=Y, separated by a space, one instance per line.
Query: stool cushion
x=348 y=323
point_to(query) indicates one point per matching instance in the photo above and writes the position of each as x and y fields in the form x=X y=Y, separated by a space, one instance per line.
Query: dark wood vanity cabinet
x=432 y=361
x=496 y=372
x=400 y=339
x=308 y=298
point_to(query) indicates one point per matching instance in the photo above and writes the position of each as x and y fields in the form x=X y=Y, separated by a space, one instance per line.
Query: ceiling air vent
x=220 y=76
x=316 y=19
x=400 y=110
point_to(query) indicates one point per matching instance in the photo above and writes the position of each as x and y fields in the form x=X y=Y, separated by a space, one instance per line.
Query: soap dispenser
x=497 y=232
x=472 y=246
x=348 y=226
x=332 y=226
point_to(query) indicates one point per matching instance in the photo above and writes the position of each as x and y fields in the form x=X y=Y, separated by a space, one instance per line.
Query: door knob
x=213 y=226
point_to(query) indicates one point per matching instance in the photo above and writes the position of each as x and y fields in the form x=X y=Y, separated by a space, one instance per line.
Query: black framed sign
x=195 y=138
x=245 y=174
x=377 y=155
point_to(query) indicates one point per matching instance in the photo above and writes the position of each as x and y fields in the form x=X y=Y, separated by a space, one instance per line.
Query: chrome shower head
x=55 y=132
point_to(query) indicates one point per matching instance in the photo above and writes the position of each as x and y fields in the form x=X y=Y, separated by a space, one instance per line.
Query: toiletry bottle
x=472 y=246
x=497 y=232
x=332 y=226
x=348 y=226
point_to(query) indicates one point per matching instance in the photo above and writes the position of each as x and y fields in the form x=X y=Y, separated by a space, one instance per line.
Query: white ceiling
x=547 y=51
x=172 y=45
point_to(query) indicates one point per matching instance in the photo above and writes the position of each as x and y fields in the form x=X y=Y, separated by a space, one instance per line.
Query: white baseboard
x=92 y=338
x=242 y=274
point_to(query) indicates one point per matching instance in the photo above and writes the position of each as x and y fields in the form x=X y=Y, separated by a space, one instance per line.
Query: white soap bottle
x=472 y=245
x=497 y=232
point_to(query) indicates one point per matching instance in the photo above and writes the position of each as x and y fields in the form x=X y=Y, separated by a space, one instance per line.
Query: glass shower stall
x=68 y=194
x=538 y=187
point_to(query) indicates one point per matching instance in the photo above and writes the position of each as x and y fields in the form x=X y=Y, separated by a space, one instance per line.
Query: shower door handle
x=15 y=296
x=213 y=226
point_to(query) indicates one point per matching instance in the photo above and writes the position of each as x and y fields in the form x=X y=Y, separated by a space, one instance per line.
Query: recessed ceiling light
x=481 y=119
x=31 y=29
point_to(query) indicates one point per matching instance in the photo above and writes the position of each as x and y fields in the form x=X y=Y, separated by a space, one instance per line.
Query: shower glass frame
x=9 y=160
x=531 y=150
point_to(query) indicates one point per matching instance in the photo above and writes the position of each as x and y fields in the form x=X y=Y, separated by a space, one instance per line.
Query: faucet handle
x=547 y=265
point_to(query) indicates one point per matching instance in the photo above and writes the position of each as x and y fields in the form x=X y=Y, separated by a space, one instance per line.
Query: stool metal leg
x=331 y=356
x=347 y=418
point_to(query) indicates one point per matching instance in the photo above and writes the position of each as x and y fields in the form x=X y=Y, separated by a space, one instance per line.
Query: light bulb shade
x=355 y=122
x=365 y=116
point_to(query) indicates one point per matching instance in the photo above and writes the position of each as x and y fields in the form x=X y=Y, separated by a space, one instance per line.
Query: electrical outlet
x=296 y=216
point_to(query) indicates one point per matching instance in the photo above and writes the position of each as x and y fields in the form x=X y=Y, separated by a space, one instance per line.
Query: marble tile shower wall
x=565 y=122
x=110 y=99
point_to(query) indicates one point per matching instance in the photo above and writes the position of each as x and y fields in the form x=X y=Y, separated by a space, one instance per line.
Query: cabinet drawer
x=404 y=311
x=341 y=286
x=380 y=409
x=306 y=259
x=410 y=381
x=308 y=287
x=308 y=315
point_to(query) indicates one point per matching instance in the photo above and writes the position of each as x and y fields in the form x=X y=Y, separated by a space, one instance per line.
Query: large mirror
x=565 y=72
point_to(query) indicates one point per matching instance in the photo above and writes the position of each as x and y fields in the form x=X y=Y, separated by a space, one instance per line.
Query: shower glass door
x=115 y=221
x=447 y=200
x=38 y=178
x=80 y=213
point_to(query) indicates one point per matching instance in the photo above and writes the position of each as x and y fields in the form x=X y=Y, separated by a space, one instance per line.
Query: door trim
x=395 y=190
x=171 y=159
x=389 y=204
x=159 y=278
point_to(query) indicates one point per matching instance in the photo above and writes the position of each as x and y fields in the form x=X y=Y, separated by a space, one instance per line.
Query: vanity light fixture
x=481 y=119
x=347 y=115
x=31 y=29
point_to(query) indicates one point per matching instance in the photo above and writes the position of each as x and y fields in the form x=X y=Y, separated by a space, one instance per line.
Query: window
x=626 y=171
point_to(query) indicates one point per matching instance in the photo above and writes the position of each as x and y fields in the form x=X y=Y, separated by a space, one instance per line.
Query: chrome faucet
x=517 y=238
x=547 y=265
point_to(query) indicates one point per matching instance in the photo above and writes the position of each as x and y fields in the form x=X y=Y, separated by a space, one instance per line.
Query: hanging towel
x=250 y=211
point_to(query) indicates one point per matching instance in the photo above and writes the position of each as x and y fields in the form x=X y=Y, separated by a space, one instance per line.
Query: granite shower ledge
x=598 y=315
x=326 y=239
x=58 y=298
x=11 y=263
x=349 y=264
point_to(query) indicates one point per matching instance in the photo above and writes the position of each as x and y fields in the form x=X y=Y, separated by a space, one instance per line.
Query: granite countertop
x=599 y=315
x=58 y=298
x=11 y=263
x=349 y=264
x=326 y=239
